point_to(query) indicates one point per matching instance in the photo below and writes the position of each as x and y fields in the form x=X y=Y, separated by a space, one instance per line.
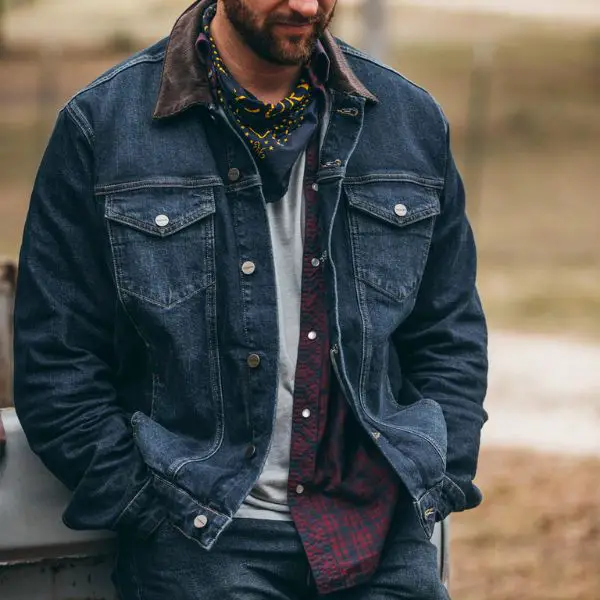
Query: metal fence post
x=8 y=273
x=374 y=28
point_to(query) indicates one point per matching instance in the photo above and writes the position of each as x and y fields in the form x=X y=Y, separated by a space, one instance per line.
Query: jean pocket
x=391 y=226
x=162 y=242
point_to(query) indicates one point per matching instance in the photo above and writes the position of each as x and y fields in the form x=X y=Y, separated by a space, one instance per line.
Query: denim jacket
x=146 y=360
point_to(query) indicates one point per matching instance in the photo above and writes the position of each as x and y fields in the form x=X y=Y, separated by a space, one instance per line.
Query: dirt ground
x=537 y=534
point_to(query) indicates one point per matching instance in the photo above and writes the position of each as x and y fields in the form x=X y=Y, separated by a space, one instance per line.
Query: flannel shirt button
x=315 y=187
x=312 y=335
x=306 y=413
x=200 y=521
x=315 y=262
x=299 y=489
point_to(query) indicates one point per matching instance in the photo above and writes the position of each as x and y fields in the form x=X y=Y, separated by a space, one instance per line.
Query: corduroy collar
x=185 y=83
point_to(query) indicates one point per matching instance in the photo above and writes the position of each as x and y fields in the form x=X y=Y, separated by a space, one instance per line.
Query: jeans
x=265 y=560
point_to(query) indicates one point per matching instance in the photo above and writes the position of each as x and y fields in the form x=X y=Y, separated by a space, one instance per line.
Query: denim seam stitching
x=180 y=490
x=132 y=502
x=436 y=184
x=332 y=262
x=346 y=49
x=129 y=64
x=456 y=487
x=162 y=304
x=421 y=215
x=364 y=313
x=122 y=292
x=178 y=183
x=79 y=119
x=387 y=293
x=178 y=225
x=426 y=438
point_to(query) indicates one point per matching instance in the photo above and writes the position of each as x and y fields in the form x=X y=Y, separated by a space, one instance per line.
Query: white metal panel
x=31 y=506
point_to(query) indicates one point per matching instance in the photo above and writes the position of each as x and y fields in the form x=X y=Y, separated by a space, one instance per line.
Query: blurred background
x=520 y=83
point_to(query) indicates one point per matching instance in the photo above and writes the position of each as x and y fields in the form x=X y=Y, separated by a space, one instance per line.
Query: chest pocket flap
x=391 y=226
x=163 y=242
x=160 y=211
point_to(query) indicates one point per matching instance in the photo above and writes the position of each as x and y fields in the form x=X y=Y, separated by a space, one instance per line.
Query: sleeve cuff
x=143 y=515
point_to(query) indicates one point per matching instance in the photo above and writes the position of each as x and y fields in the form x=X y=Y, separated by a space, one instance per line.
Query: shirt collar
x=184 y=82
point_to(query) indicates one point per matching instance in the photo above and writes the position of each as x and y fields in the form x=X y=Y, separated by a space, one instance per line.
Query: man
x=247 y=331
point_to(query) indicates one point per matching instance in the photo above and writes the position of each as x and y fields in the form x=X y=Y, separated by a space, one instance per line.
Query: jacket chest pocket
x=391 y=226
x=163 y=242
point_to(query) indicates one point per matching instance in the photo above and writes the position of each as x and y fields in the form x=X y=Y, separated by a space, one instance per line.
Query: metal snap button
x=200 y=521
x=234 y=174
x=315 y=262
x=315 y=187
x=162 y=220
x=250 y=451
x=401 y=210
x=248 y=268
x=253 y=361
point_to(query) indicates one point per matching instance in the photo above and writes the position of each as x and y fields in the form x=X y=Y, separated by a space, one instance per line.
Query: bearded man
x=248 y=336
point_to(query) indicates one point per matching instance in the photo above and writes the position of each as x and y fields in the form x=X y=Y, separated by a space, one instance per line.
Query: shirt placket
x=312 y=349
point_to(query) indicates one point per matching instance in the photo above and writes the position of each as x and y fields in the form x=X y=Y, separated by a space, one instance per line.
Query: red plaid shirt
x=342 y=492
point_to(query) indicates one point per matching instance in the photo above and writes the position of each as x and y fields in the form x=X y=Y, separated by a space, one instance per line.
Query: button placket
x=313 y=340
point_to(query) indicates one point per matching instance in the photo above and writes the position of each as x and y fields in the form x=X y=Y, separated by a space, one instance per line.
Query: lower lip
x=295 y=28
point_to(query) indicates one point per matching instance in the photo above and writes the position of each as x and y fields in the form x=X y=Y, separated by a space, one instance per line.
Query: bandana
x=276 y=133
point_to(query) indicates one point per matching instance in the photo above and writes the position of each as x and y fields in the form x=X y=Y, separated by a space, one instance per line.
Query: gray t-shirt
x=268 y=499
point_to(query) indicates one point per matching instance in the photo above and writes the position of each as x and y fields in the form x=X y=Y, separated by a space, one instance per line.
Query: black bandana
x=276 y=133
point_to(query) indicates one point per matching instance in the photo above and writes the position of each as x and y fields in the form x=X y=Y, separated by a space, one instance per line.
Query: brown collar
x=185 y=82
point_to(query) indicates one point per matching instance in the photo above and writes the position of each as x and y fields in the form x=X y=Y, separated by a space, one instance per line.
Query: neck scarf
x=276 y=133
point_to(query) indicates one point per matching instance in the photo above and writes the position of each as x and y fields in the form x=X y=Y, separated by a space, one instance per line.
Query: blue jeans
x=265 y=560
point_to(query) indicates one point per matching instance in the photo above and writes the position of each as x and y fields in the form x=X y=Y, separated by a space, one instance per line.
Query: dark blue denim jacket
x=146 y=361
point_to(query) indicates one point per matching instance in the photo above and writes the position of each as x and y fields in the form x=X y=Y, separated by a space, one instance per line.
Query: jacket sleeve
x=443 y=344
x=64 y=360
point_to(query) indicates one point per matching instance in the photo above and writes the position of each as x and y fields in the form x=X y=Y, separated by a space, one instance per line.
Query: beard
x=267 y=42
